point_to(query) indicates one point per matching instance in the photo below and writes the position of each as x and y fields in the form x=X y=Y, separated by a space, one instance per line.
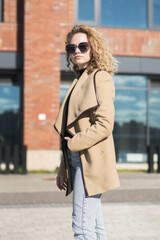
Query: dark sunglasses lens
x=83 y=47
x=70 y=48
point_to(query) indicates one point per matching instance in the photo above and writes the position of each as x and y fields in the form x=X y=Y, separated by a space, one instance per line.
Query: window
x=66 y=79
x=156 y=12
x=87 y=11
x=138 y=14
x=124 y=13
x=1 y=10
x=121 y=81
x=154 y=113
x=9 y=111
x=130 y=118
x=83 y=13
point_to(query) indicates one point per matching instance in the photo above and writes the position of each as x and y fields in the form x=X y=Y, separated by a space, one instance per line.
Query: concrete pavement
x=31 y=207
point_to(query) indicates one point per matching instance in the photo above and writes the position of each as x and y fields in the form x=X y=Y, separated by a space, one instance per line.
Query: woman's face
x=79 y=58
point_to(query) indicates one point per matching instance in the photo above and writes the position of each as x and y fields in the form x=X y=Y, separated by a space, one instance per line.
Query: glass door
x=130 y=118
x=9 y=112
x=154 y=112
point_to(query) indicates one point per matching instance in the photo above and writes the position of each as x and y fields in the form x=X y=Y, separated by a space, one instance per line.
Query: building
x=33 y=76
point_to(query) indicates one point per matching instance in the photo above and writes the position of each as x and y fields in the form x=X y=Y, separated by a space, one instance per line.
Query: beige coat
x=90 y=121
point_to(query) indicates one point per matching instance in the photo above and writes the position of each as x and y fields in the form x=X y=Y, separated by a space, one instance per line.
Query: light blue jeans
x=87 y=218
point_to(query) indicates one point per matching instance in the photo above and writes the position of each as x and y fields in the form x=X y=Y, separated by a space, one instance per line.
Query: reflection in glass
x=130 y=81
x=130 y=125
x=9 y=114
x=154 y=116
x=63 y=90
x=86 y=10
x=124 y=13
x=156 y=12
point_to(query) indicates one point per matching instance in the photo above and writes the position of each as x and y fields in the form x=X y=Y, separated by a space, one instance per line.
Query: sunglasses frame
x=86 y=44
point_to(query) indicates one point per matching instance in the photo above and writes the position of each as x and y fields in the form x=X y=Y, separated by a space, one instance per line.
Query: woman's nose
x=77 y=50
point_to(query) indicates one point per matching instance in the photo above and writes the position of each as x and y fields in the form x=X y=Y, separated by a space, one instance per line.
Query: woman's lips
x=78 y=56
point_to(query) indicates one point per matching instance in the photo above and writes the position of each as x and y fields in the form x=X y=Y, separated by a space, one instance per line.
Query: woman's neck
x=81 y=71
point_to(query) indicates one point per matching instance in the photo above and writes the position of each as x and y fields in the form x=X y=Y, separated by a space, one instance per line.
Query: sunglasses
x=83 y=47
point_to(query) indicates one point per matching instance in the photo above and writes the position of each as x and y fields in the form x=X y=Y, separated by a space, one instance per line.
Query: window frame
x=97 y=12
x=1 y=10
x=151 y=26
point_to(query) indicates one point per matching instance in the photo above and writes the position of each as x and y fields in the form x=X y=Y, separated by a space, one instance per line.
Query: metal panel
x=10 y=60
x=130 y=65
x=139 y=65
x=63 y=62
x=150 y=65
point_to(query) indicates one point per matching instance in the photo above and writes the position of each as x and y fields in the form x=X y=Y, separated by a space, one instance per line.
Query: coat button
x=102 y=152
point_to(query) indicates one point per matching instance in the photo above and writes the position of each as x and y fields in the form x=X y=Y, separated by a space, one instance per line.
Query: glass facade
x=137 y=110
x=120 y=14
x=86 y=10
x=130 y=81
x=154 y=116
x=130 y=118
x=63 y=90
x=124 y=13
x=156 y=12
x=9 y=114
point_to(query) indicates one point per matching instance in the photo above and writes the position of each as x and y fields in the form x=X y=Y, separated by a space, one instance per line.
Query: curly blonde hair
x=101 y=57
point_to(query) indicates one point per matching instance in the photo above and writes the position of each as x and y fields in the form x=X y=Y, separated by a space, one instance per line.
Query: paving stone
x=31 y=208
x=125 y=221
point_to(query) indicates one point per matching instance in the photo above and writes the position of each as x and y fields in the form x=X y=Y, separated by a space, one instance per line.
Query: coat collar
x=59 y=123
x=82 y=98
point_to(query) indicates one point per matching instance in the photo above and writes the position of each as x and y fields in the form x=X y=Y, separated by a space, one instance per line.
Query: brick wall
x=133 y=42
x=43 y=20
x=127 y=42
x=8 y=28
x=46 y=25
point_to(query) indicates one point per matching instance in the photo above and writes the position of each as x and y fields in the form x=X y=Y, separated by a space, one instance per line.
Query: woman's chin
x=80 y=65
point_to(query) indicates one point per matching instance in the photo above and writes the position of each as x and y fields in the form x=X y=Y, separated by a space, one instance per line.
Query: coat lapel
x=83 y=97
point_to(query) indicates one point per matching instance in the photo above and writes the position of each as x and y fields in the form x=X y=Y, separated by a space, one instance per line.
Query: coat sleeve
x=103 y=116
x=62 y=169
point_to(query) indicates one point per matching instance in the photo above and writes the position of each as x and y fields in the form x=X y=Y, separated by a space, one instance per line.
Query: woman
x=85 y=124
